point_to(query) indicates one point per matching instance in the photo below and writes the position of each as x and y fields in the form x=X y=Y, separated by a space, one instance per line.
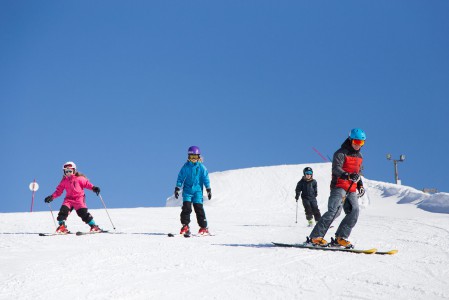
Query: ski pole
x=52 y=215
x=101 y=198
x=347 y=193
x=296 y=211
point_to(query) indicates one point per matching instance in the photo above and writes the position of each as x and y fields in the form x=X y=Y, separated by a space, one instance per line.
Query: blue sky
x=124 y=88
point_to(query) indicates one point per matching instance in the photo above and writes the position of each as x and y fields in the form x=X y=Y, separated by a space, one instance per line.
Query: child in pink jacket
x=74 y=183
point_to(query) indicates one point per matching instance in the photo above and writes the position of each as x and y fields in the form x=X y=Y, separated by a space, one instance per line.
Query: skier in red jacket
x=346 y=180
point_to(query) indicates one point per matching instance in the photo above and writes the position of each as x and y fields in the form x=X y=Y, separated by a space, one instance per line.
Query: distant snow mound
x=273 y=187
x=254 y=188
x=438 y=202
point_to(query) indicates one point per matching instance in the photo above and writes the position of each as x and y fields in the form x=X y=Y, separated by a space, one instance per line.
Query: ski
x=188 y=235
x=365 y=251
x=309 y=246
x=52 y=234
x=91 y=232
x=178 y=235
x=391 y=252
x=197 y=235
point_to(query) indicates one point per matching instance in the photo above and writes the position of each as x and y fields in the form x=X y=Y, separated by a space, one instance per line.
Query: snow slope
x=250 y=208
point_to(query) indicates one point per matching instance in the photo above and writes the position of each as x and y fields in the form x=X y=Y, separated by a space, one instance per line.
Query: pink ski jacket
x=74 y=187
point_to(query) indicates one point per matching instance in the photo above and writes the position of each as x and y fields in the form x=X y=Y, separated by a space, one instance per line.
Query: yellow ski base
x=391 y=252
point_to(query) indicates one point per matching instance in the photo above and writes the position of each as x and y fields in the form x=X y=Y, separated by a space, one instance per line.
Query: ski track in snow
x=239 y=262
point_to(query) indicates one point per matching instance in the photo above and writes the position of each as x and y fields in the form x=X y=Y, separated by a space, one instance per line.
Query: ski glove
x=96 y=190
x=177 y=189
x=361 y=190
x=209 y=193
x=48 y=199
x=354 y=177
x=297 y=197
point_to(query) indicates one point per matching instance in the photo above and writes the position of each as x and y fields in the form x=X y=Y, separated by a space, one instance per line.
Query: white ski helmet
x=69 y=165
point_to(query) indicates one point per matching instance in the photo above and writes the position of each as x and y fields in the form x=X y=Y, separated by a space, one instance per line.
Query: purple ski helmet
x=194 y=150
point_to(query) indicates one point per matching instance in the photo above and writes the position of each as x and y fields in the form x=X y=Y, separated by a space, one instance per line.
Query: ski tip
x=55 y=233
x=391 y=252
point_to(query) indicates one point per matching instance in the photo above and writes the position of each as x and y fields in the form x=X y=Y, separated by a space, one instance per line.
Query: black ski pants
x=199 y=211
x=82 y=213
x=311 y=209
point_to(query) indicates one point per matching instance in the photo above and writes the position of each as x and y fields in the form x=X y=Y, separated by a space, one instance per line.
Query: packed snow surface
x=250 y=209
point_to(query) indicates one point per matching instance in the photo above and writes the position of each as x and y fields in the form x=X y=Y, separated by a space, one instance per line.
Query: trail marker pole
x=33 y=187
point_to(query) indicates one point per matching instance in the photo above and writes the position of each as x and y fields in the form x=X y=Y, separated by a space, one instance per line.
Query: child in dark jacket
x=308 y=189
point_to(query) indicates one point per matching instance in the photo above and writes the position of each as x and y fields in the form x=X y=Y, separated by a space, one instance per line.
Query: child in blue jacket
x=191 y=178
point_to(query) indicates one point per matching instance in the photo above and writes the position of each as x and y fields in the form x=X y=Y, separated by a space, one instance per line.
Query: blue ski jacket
x=193 y=176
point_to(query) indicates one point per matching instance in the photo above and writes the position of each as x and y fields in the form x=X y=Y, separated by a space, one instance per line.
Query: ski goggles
x=194 y=156
x=358 y=142
x=68 y=166
x=68 y=171
x=308 y=173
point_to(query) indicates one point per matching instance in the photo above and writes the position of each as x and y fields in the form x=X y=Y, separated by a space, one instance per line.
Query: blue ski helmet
x=307 y=171
x=357 y=134
x=194 y=150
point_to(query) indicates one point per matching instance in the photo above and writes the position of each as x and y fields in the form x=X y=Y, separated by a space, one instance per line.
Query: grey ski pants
x=334 y=207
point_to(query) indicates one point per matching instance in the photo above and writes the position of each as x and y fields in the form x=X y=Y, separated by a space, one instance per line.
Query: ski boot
x=203 y=231
x=341 y=242
x=95 y=228
x=185 y=229
x=62 y=229
x=319 y=241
